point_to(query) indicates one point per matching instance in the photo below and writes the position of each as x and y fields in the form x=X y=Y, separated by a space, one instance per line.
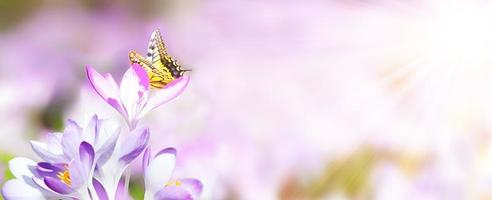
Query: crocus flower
x=46 y=180
x=23 y=186
x=158 y=183
x=133 y=98
x=113 y=153
x=130 y=147
x=61 y=147
x=79 y=160
x=69 y=178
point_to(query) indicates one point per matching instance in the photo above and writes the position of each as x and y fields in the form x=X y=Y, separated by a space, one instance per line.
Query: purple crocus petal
x=133 y=145
x=103 y=85
x=45 y=169
x=51 y=166
x=17 y=189
x=80 y=168
x=105 y=151
x=101 y=192
x=166 y=94
x=146 y=159
x=169 y=150
x=118 y=106
x=193 y=186
x=134 y=89
x=57 y=186
x=173 y=193
x=86 y=152
x=122 y=191
x=107 y=88
x=142 y=75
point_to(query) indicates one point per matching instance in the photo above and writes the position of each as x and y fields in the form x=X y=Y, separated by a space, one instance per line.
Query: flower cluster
x=89 y=161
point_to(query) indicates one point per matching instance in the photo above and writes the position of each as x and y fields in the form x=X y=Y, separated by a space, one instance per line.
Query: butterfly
x=161 y=68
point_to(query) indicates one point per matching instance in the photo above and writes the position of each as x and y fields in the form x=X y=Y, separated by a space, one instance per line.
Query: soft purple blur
x=287 y=100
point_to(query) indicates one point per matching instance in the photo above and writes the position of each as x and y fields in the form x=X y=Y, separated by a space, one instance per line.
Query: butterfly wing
x=156 y=50
x=158 y=56
x=158 y=76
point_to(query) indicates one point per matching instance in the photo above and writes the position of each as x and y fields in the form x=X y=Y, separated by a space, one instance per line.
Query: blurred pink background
x=375 y=99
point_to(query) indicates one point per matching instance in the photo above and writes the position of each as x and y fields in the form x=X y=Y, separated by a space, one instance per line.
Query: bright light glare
x=457 y=33
x=444 y=64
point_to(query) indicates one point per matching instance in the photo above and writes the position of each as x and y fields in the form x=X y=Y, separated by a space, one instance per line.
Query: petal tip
x=146 y=158
x=142 y=75
x=86 y=152
x=169 y=150
x=90 y=71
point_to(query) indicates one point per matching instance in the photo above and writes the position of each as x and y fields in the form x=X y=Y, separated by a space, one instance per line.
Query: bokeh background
x=318 y=99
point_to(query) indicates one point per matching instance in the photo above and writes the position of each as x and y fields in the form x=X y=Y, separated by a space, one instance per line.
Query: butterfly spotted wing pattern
x=160 y=67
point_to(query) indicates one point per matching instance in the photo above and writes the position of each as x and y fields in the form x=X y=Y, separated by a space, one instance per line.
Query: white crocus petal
x=112 y=84
x=54 y=143
x=21 y=167
x=108 y=129
x=166 y=94
x=70 y=143
x=159 y=172
x=18 y=189
x=133 y=91
x=51 y=150
x=45 y=152
x=91 y=129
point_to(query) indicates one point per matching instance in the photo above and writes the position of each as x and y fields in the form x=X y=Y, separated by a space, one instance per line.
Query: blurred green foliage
x=13 y=12
x=4 y=162
x=52 y=118
x=349 y=175
x=136 y=189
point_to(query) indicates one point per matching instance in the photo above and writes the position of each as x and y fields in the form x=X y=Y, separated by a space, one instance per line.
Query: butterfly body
x=161 y=68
